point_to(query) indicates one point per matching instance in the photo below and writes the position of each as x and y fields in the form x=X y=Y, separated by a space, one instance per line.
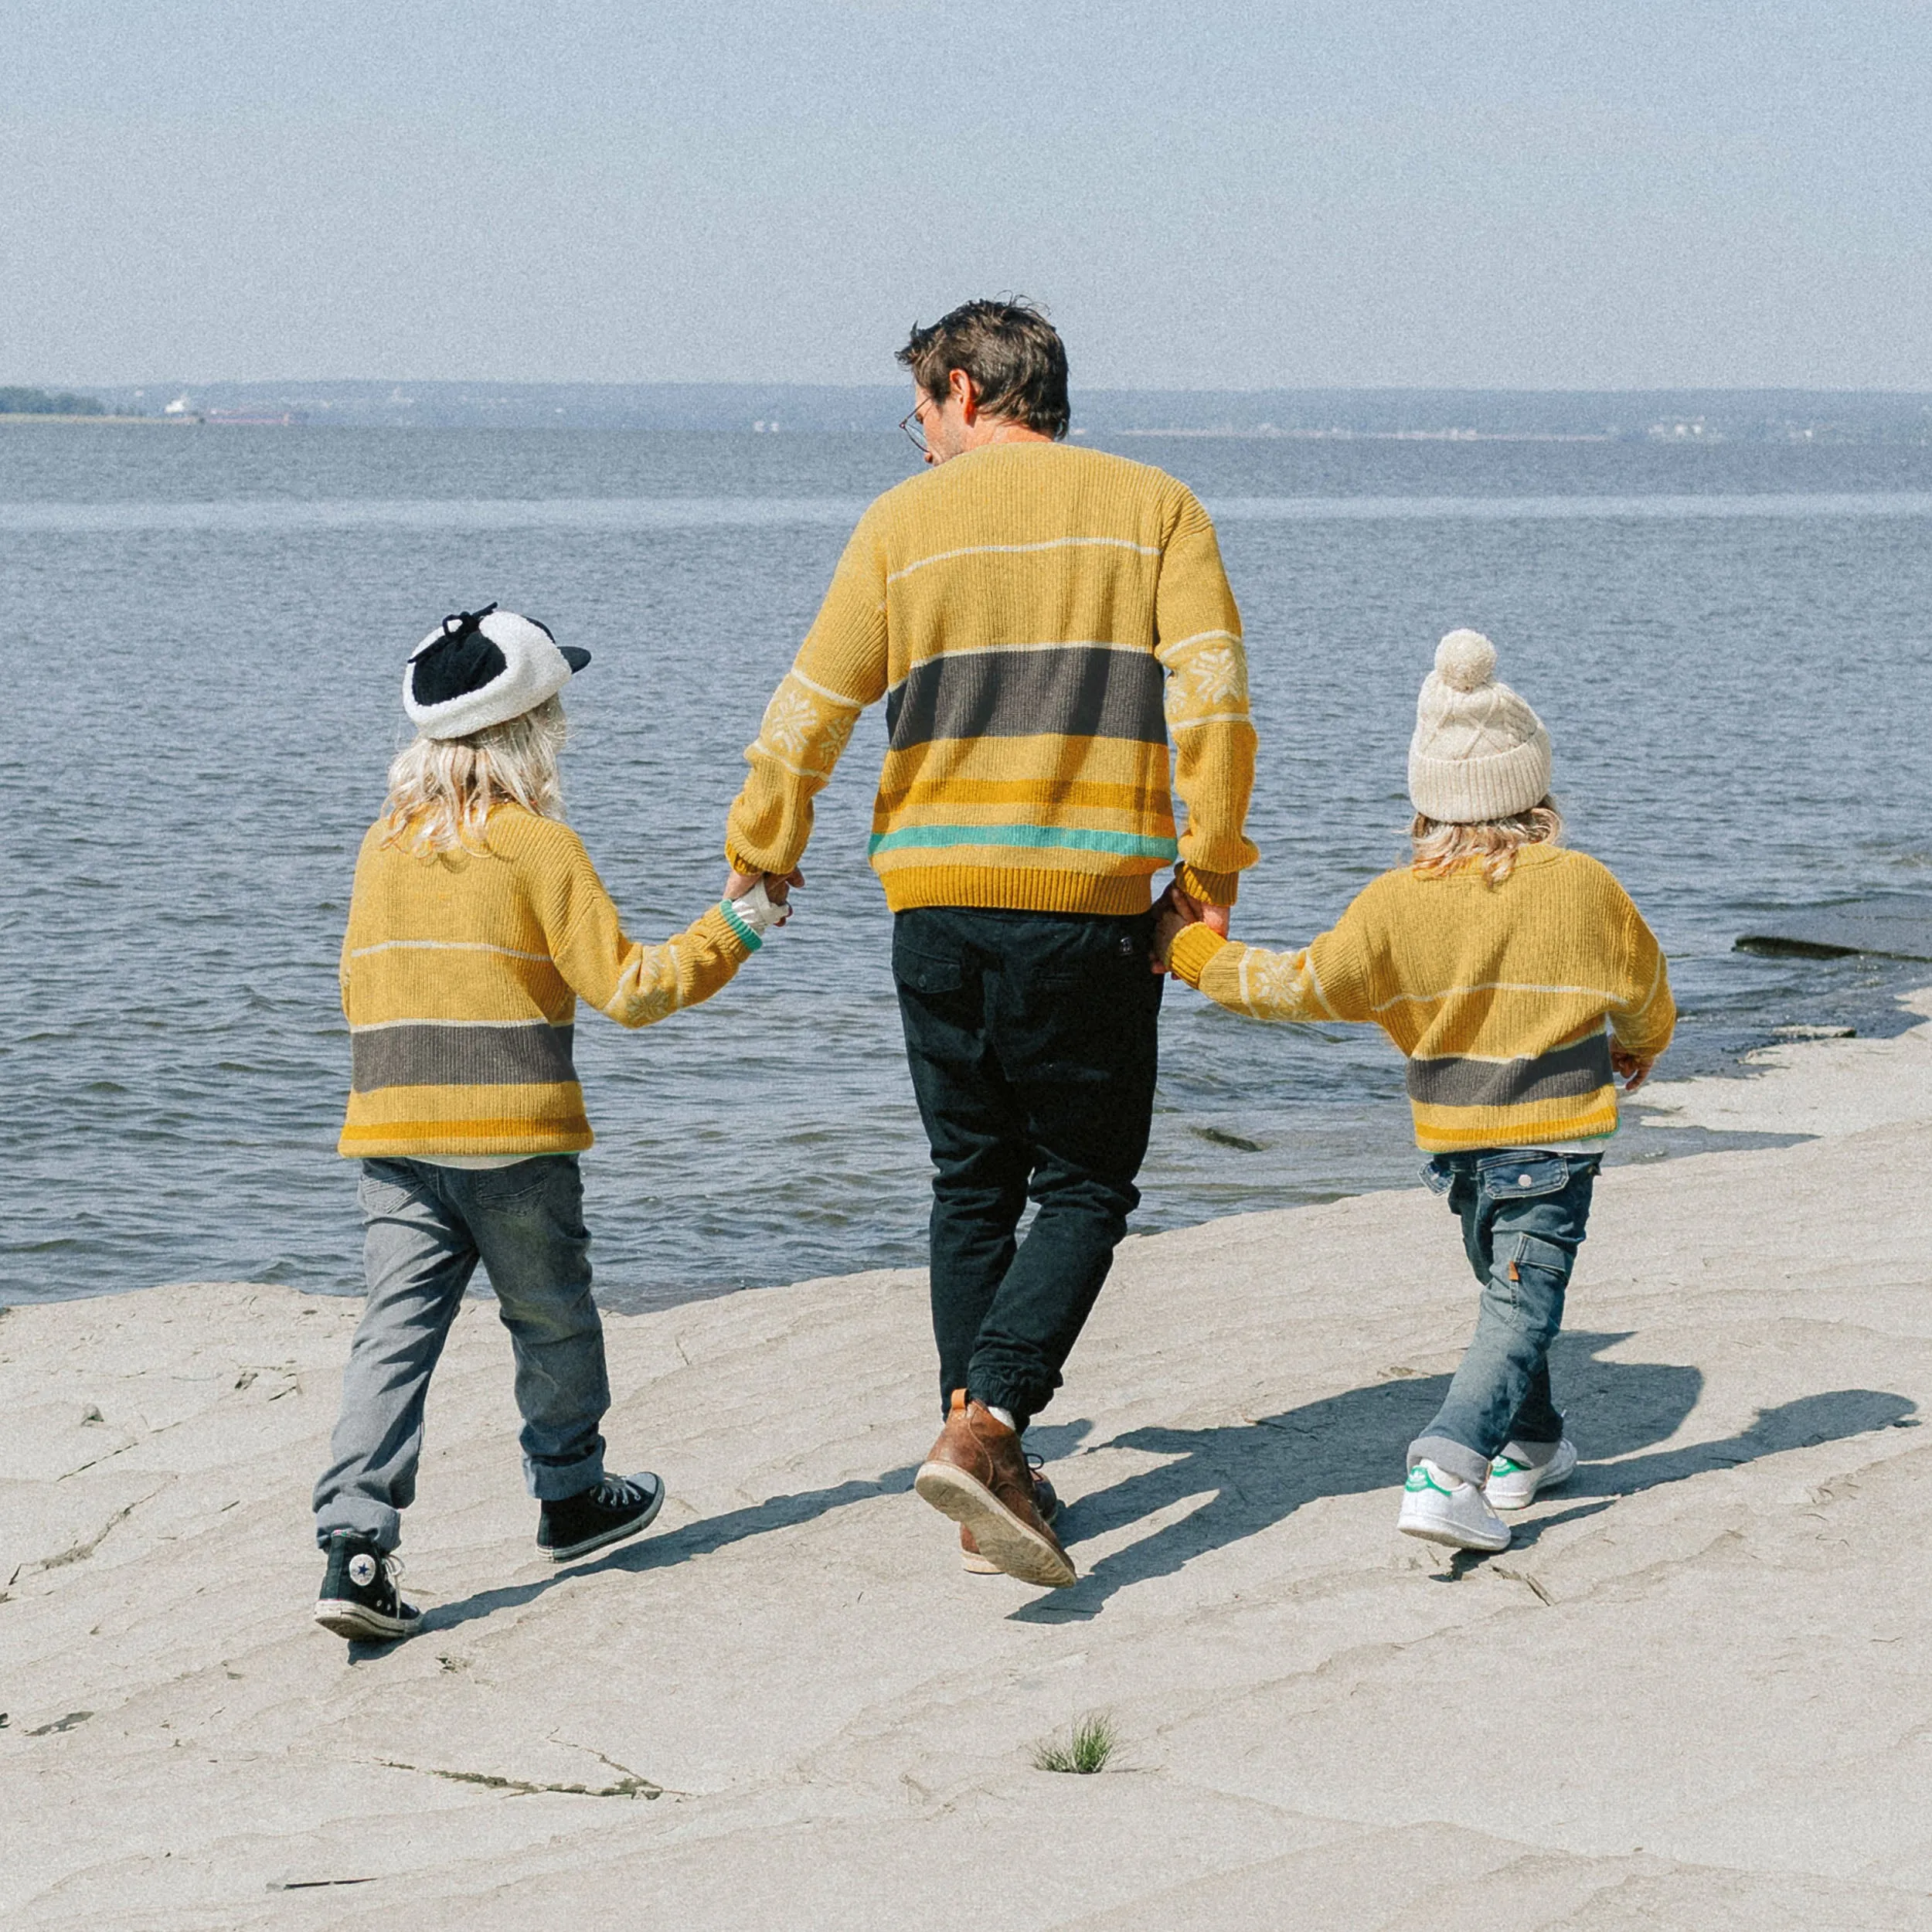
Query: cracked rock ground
x=1694 y=1694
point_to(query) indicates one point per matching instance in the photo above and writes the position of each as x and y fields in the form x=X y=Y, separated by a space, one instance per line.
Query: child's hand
x=758 y=907
x=1634 y=1067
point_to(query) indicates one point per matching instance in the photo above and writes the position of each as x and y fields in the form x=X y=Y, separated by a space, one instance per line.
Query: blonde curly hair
x=442 y=791
x=1440 y=846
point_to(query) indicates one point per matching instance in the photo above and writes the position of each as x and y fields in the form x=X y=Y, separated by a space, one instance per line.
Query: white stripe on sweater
x=443 y=945
x=1019 y=549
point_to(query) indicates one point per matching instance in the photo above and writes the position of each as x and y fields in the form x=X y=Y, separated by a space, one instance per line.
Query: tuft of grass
x=1085 y=1749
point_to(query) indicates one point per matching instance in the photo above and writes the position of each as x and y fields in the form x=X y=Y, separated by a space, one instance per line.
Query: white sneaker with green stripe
x=1442 y=1509
x=1523 y=1468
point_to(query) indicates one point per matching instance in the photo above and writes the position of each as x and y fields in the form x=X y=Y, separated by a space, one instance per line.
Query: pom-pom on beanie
x=1479 y=751
x=482 y=668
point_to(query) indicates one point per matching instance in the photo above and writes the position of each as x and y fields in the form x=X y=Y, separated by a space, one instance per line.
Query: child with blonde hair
x=476 y=923
x=1519 y=980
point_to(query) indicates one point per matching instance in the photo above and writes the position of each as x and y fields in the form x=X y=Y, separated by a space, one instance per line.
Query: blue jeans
x=1523 y=1215
x=426 y=1228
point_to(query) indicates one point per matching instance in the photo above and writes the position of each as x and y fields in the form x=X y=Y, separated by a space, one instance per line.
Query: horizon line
x=1096 y=388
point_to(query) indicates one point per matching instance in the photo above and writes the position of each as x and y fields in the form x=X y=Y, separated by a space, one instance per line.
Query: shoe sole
x=343 y=1616
x=607 y=1536
x=1008 y=1544
x=1452 y=1538
x=975 y=1565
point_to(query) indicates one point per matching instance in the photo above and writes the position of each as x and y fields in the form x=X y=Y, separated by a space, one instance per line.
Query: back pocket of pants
x=928 y=973
x=504 y=1188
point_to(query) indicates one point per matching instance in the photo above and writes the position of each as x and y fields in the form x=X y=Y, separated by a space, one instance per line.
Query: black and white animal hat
x=482 y=668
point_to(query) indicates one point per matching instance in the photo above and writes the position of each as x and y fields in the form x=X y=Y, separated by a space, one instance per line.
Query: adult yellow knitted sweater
x=1498 y=994
x=460 y=977
x=1038 y=618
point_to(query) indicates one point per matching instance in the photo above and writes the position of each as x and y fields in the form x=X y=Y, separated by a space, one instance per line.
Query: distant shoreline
x=1686 y=416
x=99 y=421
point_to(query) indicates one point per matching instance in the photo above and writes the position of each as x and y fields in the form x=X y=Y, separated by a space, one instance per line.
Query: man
x=1039 y=619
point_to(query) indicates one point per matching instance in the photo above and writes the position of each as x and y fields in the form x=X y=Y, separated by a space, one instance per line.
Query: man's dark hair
x=1012 y=352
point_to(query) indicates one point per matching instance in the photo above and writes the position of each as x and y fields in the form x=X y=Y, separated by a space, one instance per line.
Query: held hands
x=1178 y=911
x=777 y=888
x=1634 y=1067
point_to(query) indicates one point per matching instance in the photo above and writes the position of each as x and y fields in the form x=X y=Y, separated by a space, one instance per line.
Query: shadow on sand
x=698 y=1538
x=1254 y=1473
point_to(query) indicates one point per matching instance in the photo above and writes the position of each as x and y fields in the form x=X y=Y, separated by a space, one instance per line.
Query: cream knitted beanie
x=1479 y=751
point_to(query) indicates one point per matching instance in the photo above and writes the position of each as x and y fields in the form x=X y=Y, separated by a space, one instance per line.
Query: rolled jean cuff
x=1455 y=1458
x=553 y=1481
x=360 y=1516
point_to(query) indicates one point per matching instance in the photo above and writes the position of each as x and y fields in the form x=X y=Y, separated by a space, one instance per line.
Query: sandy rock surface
x=1694 y=1694
x=1811 y=1086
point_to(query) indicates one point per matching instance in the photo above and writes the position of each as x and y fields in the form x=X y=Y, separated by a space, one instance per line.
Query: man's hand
x=1634 y=1067
x=1167 y=929
x=778 y=885
x=1174 y=912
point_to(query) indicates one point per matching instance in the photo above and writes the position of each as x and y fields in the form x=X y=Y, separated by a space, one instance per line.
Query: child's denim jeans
x=426 y=1228
x=1523 y=1215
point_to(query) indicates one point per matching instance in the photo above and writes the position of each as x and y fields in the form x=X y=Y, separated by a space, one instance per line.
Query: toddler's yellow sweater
x=1498 y=994
x=460 y=977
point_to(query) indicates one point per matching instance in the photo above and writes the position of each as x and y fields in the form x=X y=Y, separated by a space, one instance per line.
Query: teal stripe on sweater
x=1128 y=845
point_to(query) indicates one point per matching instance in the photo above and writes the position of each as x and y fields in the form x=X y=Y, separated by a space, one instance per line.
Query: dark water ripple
x=202 y=705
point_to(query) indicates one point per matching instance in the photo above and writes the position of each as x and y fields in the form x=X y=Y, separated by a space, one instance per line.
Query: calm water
x=203 y=630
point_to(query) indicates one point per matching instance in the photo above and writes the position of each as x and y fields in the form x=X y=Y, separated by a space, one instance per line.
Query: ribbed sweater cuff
x=1644 y=1048
x=1193 y=948
x=1212 y=888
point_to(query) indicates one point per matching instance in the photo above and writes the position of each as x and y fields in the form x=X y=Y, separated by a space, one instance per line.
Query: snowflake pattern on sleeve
x=806 y=729
x=1264 y=985
x=651 y=988
x=1207 y=679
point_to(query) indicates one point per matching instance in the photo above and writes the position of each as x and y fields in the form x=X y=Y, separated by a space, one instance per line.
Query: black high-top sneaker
x=359 y=1600
x=619 y=1506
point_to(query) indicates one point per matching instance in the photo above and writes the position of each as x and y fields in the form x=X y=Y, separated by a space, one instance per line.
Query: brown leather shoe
x=1046 y=1500
x=977 y=1474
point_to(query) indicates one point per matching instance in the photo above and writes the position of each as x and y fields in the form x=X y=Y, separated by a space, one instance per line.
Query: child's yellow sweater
x=1498 y=994
x=1039 y=619
x=460 y=978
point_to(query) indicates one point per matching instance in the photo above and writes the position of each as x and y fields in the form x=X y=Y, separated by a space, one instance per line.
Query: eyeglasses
x=915 y=430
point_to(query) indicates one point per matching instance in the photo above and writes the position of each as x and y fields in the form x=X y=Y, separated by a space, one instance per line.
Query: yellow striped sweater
x=1039 y=619
x=460 y=978
x=1498 y=994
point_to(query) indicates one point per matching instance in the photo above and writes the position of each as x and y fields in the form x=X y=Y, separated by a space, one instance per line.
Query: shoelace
x=620 y=1492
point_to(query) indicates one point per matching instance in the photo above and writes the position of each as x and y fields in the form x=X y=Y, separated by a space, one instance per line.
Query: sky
x=1554 y=194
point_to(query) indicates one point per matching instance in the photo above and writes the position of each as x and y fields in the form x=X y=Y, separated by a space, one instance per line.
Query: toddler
x=1519 y=980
